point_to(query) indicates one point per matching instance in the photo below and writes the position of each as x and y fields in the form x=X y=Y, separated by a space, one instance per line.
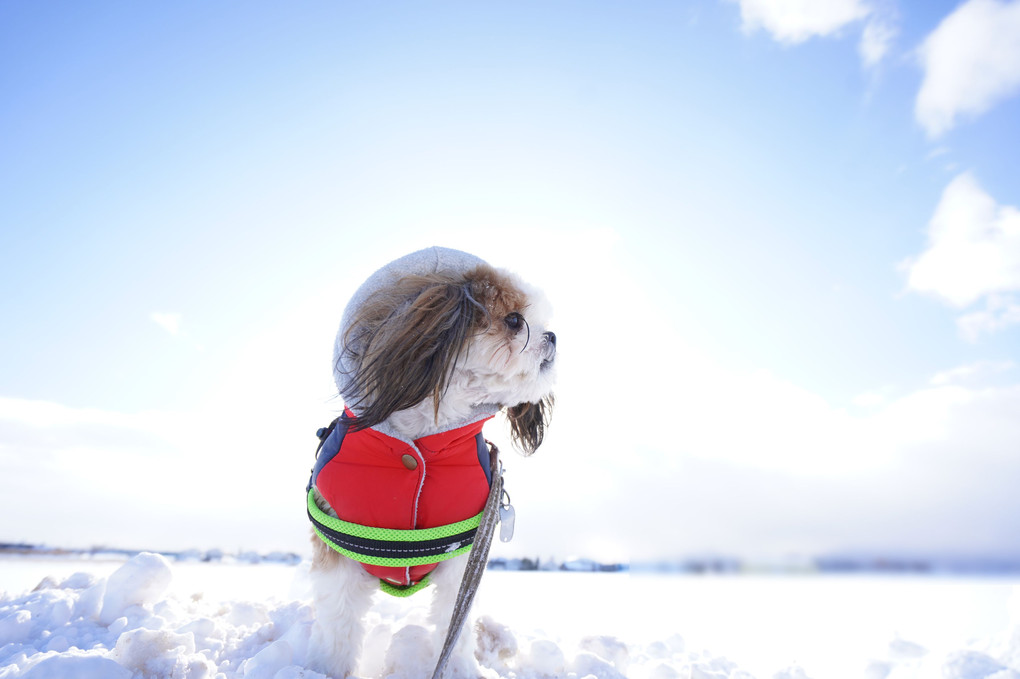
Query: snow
x=148 y=618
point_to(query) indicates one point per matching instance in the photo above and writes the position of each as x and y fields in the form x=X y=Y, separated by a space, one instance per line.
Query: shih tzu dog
x=430 y=347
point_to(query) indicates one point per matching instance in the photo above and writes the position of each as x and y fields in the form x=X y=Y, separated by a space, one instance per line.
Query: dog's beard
x=490 y=372
x=471 y=387
x=501 y=372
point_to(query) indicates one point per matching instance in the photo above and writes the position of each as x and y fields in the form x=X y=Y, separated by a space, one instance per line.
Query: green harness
x=393 y=547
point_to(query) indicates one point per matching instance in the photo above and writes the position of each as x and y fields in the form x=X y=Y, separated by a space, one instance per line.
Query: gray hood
x=429 y=260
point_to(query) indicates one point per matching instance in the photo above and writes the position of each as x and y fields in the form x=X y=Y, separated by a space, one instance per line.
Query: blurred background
x=781 y=240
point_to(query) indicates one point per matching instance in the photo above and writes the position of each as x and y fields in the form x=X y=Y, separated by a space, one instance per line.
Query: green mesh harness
x=392 y=547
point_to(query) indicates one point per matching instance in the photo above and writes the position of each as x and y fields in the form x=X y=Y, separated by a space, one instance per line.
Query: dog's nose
x=550 y=337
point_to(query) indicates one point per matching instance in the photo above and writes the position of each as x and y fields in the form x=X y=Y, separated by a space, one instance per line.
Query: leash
x=476 y=562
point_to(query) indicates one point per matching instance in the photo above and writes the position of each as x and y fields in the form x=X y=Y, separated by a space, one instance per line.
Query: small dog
x=430 y=347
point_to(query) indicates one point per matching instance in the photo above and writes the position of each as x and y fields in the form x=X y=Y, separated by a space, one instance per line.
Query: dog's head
x=448 y=341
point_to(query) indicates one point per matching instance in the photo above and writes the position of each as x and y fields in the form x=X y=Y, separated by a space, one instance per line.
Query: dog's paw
x=467 y=667
x=332 y=659
x=494 y=642
x=410 y=650
x=326 y=668
x=465 y=662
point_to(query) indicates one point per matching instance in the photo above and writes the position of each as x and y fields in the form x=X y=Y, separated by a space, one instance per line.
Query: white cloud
x=876 y=40
x=1001 y=311
x=47 y=414
x=169 y=322
x=971 y=62
x=971 y=373
x=794 y=21
x=973 y=252
x=871 y=399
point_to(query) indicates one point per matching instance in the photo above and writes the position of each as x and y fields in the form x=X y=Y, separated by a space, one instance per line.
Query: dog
x=429 y=348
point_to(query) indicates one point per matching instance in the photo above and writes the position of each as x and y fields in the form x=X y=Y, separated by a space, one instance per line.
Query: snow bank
x=126 y=626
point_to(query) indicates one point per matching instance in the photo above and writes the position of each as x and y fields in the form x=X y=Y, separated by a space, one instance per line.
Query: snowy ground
x=148 y=618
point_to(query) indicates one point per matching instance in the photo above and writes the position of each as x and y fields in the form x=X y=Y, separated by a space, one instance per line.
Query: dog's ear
x=406 y=343
x=528 y=422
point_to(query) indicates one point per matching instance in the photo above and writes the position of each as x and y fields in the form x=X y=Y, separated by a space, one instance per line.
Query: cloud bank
x=971 y=62
x=972 y=254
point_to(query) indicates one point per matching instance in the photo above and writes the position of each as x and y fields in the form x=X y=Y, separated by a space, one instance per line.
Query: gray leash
x=477 y=559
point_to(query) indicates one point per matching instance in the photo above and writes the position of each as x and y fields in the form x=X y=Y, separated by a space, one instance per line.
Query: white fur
x=343 y=594
x=493 y=370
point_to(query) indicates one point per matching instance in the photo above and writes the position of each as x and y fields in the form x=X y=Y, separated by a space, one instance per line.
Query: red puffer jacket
x=377 y=480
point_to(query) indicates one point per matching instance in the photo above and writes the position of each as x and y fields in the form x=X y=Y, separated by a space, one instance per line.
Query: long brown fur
x=408 y=335
x=528 y=422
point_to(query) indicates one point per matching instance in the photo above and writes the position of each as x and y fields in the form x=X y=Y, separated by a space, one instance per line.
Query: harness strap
x=389 y=546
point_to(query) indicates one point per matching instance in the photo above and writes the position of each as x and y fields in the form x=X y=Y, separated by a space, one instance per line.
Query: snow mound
x=139 y=582
x=125 y=626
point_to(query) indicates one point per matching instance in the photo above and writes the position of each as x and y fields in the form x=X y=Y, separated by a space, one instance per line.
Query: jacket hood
x=429 y=260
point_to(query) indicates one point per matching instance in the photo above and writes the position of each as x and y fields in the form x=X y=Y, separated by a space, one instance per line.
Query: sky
x=781 y=239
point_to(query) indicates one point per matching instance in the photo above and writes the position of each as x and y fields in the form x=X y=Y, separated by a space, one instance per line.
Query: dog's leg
x=343 y=594
x=446 y=581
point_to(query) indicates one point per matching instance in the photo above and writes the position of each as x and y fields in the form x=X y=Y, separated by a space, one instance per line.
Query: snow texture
x=125 y=626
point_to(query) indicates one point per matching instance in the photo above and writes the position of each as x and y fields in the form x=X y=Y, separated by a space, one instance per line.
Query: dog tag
x=506 y=522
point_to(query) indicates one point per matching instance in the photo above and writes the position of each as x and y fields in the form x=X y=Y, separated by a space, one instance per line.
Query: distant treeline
x=951 y=565
x=101 y=552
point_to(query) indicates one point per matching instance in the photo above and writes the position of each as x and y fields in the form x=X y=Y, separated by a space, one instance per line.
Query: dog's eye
x=514 y=321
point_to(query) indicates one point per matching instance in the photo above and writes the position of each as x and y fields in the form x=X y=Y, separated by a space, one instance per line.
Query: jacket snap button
x=409 y=461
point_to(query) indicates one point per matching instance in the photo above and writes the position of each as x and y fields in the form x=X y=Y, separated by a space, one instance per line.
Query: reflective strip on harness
x=392 y=547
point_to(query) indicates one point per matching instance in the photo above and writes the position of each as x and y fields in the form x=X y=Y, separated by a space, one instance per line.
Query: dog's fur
x=424 y=352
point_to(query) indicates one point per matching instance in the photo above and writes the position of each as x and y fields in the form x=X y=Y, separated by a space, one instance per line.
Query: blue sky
x=782 y=242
